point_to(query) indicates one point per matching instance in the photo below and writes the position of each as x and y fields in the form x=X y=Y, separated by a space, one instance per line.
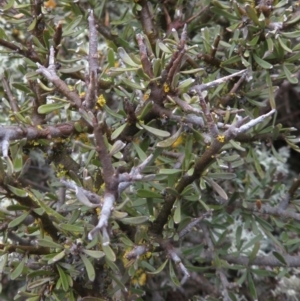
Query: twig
x=184 y=105
x=91 y=94
x=217 y=81
x=108 y=203
x=28 y=249
x=50 y=74
x=147 y=22
x=285 y=201
x=12 y=99
x=103 y=154
x=213 y=129
x=57 y=36
x=224 y=100
x=92 y=200
x=30 y=54
x=126 y=179
x=172 y=253
x=147 y=67
x=268 y=260
x=136 y=252
x=277 y=211
x=176 y=59
x=194 y=222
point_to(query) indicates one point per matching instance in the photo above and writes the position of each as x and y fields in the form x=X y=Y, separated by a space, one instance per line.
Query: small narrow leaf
x=109 y=253
x=159 y=269
x=93 y=253
x=18 y=220
x=216 y=187
x=173 y=274
x=126 y=58
x=279 y=257
x=89 y=267
x=137 y=220
x=290 y=77
x=63 y=278
x=18 y=270
x=169 y=141
x=118 y=131
x=57 y=257
x=17 y=191
x=48 y=243
x=262 y=63
x=154 y=131
x=48 y=108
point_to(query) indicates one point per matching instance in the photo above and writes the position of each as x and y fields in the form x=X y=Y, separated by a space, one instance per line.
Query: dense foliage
x=138 y=150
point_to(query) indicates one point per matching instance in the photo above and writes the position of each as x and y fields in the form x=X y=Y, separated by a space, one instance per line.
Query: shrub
x=138 y=160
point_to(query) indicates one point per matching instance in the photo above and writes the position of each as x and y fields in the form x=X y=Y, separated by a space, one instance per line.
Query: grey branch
x=173 y=255
x=84 y=196
x=194 y=222
x=126 y=179
x=217 y=81
x=50 y=74
x=108 y=203
x=91 y=94
x=136 y=252
x=269 y=260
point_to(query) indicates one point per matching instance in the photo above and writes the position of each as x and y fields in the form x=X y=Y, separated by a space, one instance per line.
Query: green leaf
x=18 y=220
x=159 y=269
x=93 y=253
x=292 y=78
x=252 y=14
x=154 y=131
x=32 y=24
x=173 y=274
x=57 y=257
x=183 y=85
x=145 y=193
x=109 y=253
x=89 y=267
x=142 y=155
x=126 y=58
x=63 y=278
x=169 y=141
x=18 y=270
x=164 y=171
x=216 y=187
x=72 y=69
x=251 y=285
x=70 y=28
x=118 y=131
x=9 y=5
x=270 y=90
x=48 y=108
x=137 y=220
x=164 y=48
x=146 y=109
x=284 y=46
x=261 y=62
x=111 y=57
x=133 y=85
x=252 y=242
x=177 y=212
x=17 y=191
x=3 y=262
x=222 y=175
x=254 y=252
x=48 y=243
x=279 y=257
x=92 y=299
x=71 y=228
